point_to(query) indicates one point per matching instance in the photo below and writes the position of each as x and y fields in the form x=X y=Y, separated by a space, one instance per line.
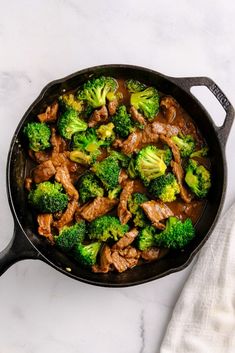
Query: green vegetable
x=149 y=165
x=95 y=91
x=48 y=197
x=186 y=144
x=165 y=154
x=165 y=187
x=88 y=143
x=147 y=102
x=134 y=202
x=69 y=236
x=146 y=238
x=89 y=187
x=108 y=172
x=69 y=123
x=80 y=157
x=200 y=153
x=198 y=178
x=69 y=101
x=113 y=194
x=107 y=227
x=120 y=157
x=122 y=122
x=86 y=255
x=38 y=135
x=131 y=170
x=176 y=235
x=106 y=133
x=134 y=86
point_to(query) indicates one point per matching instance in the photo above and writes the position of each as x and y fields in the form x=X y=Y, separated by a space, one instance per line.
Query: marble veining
x=42 y=310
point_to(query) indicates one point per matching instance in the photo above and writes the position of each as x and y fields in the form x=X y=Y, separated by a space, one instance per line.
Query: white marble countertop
x=41 y=310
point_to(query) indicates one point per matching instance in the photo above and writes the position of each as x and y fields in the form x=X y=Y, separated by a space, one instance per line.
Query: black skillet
x=26 y=244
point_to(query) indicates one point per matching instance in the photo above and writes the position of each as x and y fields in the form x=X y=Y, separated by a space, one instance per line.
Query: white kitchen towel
x=203 y=320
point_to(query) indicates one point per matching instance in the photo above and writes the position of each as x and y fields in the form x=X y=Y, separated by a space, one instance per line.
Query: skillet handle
x=19 y=248
x=188 y=82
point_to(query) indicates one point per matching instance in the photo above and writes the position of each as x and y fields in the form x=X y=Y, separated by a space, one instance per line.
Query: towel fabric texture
x=203 y=320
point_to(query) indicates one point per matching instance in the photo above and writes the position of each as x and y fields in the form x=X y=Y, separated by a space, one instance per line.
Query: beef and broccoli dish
x=119 y=174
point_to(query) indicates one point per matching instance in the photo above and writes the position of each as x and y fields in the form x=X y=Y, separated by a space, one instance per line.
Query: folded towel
x=203 y=320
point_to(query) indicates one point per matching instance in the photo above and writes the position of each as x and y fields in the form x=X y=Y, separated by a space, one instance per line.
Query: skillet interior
x=175 y=260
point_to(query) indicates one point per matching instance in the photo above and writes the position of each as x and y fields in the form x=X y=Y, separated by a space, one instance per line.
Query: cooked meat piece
x=112 y=107
x=179 y=174
x=28 y=183
x=123 y=213
x=150 y=254
x=44 y=226
x=122 y=176
x=117 y=143
x=149 y=135
x=41 y=156
x=131 y=144
x=61 y=159
x=96 y=208
x=50 y=114
x=57 y=142
x=169 y=106
x=165 y=129
x=63 y=177
x=173 y=147
x=67 y=216
x=43 y=171
x=98 y=117
x=129 y=252
x=105 y=261
x=156 y=211
x=137 y=116
x=122 y=263
x=126 y=240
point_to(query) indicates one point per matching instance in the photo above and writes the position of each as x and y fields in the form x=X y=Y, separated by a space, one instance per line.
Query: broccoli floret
x=120 y=157
x=200 y=153
x=80 y=157
x=198 y=178
x=48 y=197
x=134 y=202
x=134 y=86
x=113 y=194
x=106 y=134
x=165 y=187
x=88 y=142
x=147 y=102
x=69 y=101
x=95 y=91
x=108 y=172
x=176 y=235
x=38 y=135
x=89 y=187
x=69 y=123
x=70 y=236
x=149 y=165
x=122 y=122
x=165 y=154
x=146 y=238
x=86 y=254
x=131 y=170
x=186 y=144
x=107 y=227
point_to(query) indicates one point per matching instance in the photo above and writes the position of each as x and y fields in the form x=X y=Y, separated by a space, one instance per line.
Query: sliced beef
x=126 y=240
x=123 y=213
x=164 y=129
x=96 y=208
x=149 y=135
x=122 y=263
x=169 y=106
x=50 y=114
x=173 y=147
x=179 y=174
x=112 y=107
x=57 y=142
x=105 y=261
x=40 y=156
x=43 y=171
x=28 y=183
x=117 y=143
x=99 y=116
x=68 y=215
x=44 y=226
x=62 y=176
x=123 y=176
x=132 y=143
x=130 y=252
x=156 y=211
x=136 y=116
x=150 y=254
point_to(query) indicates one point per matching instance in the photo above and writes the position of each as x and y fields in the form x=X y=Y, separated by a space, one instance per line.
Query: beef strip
x=126 y=240
x=117 y=143
x=179 y=174
x=173 y=147
x=149 y=135
x=57 y=142
x=96 y=208
x=105 y=261
x=112 y=107
x=43 y=171
x=40 y=156
x=44 y=226
x=165 y=129
x=156 y=211
x=123 y=213
x=67 y=216
x=28 y=183
x=150 y=254
x=123 y=176
x=132 y=143
x=128 y=259
x=50 y=114
x=99 y=116
x=169 y=106
x=129 y=252
x=136 y=116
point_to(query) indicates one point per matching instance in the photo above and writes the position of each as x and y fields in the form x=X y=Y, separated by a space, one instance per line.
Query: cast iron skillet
x=26 y=244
